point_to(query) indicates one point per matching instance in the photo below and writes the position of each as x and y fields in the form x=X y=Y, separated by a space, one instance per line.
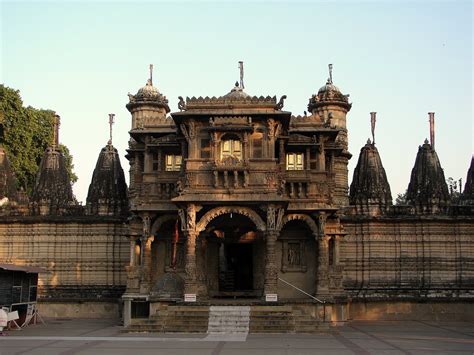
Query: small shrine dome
x=237 y=92
x=148 y=92
x=328 y=87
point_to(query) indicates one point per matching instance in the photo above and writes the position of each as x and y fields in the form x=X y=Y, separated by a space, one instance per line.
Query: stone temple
x=234 y=201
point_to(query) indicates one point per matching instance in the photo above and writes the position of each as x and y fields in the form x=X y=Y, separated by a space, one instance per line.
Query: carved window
x=231 y=148
x=205 y=148
x=173 y=162
x=294 y=161
x=257 y=145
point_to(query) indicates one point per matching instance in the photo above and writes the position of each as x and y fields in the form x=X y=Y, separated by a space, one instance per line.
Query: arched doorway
x=234 y=255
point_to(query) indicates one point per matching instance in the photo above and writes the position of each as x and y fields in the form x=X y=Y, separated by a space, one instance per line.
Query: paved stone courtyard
x=67 y=336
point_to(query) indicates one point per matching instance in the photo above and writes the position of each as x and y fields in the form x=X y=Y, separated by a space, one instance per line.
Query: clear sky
x=401 y=59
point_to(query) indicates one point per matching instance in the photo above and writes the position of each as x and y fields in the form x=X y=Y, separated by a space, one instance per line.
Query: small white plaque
x=271 y=297
x=189 y=297
x=13 y=316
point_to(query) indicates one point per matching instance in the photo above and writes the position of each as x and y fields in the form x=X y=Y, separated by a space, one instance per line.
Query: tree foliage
x=455 y=187
x=27 y=133
x=401 y=199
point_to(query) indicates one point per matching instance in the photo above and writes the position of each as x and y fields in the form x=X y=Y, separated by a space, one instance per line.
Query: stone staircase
x=229 y=320
x=271 y=319
x=233 y=319
x=174 y=319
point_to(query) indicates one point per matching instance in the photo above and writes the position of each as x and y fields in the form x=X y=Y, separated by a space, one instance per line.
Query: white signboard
x=271 y=297
x=189 y=297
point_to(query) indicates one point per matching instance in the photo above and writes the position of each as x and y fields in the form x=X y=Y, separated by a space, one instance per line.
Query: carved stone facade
x=262 y=201
x=233 y=197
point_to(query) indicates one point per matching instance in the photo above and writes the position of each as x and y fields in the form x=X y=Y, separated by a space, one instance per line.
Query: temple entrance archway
x=234 y=256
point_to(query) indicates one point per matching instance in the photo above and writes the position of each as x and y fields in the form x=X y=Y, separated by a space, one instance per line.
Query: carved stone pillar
x=190 y=283
x=322 y=286
x=308 y=159
x=146 y=263
x=245 y=147
x=337 y=249
x=188 y=226
x=133 y=262
x=282 y=152
x=271 y=273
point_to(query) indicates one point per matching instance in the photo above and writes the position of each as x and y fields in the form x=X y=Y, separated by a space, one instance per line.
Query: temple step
x=228 y=320
x=231 y=319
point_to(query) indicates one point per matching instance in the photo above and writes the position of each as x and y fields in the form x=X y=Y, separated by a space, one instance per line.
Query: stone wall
x=409 y=258
x=85 y=258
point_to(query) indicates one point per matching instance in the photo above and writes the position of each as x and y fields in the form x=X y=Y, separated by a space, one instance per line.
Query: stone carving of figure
x=181 y=104
x=146 y=226
x=281 y=188
x=280 y=103
x=279 y=221
x=191 y=217
x=179 y=187
x=293 y=254
x=182 y=217
x=271 y=128
x=321 y=224
x=271 y=217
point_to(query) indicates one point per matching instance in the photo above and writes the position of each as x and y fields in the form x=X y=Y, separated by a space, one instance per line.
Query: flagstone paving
x=102 y=336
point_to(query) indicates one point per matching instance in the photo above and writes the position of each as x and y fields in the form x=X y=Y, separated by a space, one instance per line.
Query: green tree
x=454 y=187
x=401 y=199
x=27 y=133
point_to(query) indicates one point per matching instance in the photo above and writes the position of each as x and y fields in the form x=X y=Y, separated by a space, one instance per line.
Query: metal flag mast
x=241 y=67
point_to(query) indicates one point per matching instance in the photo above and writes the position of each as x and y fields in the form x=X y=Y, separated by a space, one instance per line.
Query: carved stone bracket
x=274 y=128
x=275 y=218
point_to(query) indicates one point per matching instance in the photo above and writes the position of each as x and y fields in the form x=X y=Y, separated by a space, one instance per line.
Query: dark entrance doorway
x=234 y=257
x=236 y=270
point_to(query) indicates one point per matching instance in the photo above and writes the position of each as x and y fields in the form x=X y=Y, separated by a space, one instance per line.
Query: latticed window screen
x=173 y=162
x=294 y=161
x=231 y=147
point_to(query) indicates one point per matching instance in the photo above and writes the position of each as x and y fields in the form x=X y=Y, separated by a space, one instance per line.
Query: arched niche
x=302 y=217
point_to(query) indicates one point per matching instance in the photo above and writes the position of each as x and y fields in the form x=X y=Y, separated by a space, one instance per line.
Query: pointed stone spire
x=427 y=191
x=107 y=194
x=467 y=197
x=8 y=190
x=52 y=193
x=370 y=190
